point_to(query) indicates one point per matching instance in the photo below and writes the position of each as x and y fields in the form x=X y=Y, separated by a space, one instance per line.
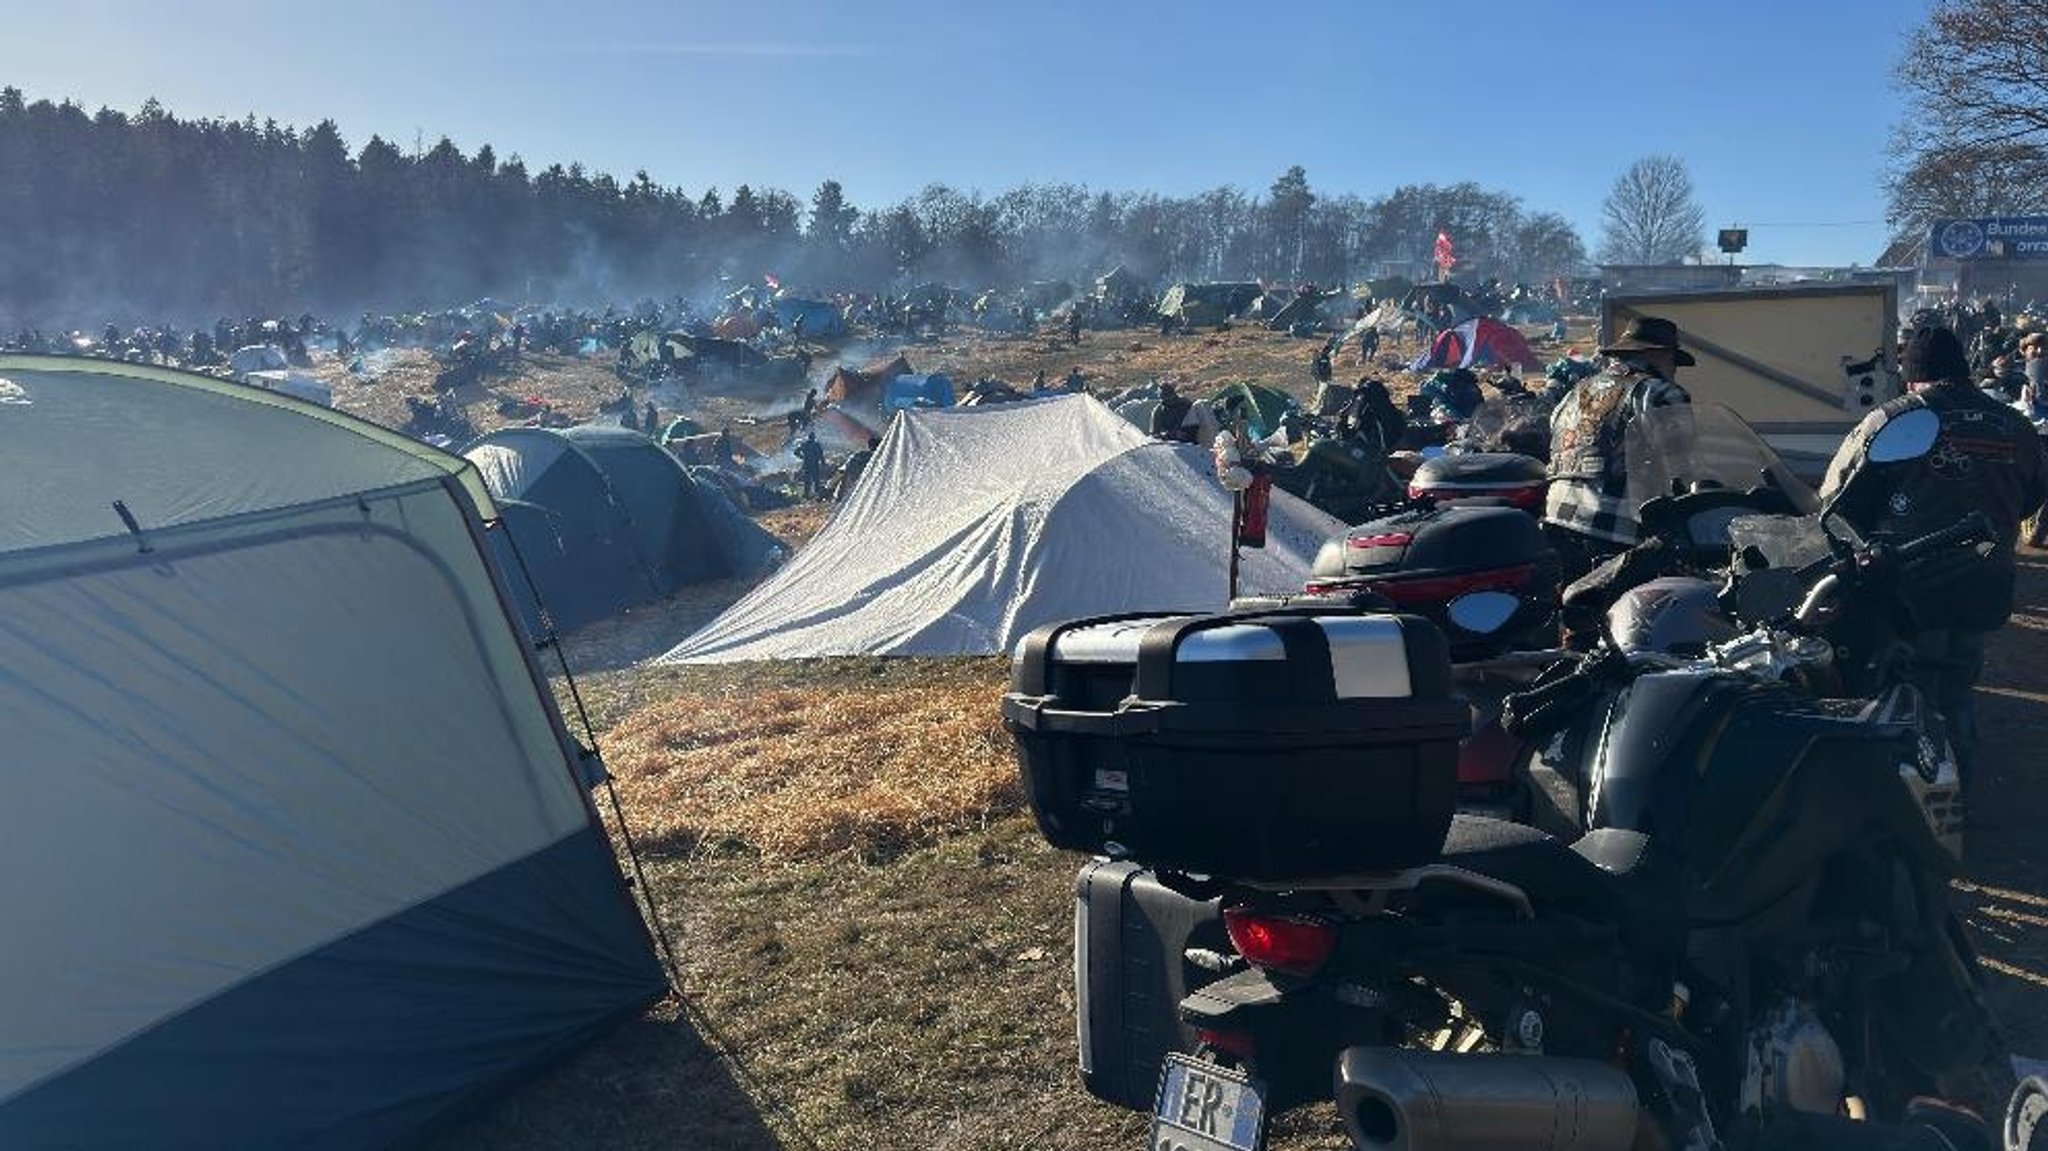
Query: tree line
x=147 y=217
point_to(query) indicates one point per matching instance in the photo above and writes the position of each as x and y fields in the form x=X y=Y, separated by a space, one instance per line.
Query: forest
x=144 y=217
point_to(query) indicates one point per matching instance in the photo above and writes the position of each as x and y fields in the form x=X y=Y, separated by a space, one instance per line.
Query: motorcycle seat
x=1605 y=869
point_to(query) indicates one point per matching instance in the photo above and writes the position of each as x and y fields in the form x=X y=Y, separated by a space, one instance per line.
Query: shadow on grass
x=2005 y=896
x=653 y=1083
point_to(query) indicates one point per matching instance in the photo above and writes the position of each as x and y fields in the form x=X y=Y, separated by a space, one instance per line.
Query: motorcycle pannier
x=1302 y=742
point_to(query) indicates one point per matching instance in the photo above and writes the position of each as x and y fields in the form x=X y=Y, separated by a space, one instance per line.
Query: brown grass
x=791 y=773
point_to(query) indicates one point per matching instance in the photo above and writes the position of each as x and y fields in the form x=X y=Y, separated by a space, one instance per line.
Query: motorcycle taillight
x=1229 y=1042
x=1297 y=946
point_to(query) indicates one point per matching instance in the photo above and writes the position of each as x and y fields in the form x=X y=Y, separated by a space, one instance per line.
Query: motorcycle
x=1752 y=924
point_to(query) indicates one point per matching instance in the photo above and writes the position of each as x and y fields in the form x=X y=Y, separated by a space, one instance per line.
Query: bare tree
x=1651 y=217
x=1975 y=140
x=1975 y=73
x=1546 y=245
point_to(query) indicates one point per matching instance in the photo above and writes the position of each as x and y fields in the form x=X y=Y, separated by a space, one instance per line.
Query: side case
x=1130 y=933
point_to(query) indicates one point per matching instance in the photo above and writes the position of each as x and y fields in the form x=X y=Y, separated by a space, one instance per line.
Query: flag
x=773 y=283
x=1445 y=258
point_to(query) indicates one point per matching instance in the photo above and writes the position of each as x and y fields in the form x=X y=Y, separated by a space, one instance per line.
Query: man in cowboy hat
x=1588 y=514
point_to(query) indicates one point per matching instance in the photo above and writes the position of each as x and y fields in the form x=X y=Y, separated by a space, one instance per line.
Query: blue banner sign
x=1989 y=238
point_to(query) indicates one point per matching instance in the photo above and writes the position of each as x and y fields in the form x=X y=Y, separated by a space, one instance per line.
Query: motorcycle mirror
x=1482 y=612
x=1907 y=436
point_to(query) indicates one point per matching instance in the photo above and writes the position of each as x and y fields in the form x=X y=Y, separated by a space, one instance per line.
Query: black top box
x=1262 y=744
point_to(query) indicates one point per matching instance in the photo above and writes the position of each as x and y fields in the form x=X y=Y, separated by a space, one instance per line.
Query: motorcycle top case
x=1425 y=558
x=1518 y=479
x=1265 y=744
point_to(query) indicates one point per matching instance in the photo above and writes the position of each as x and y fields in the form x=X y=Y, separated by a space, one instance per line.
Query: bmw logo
x=1961 y=238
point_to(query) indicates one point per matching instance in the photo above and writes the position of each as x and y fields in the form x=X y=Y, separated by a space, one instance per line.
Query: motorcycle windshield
x=1686 y=447
x=1517 y=423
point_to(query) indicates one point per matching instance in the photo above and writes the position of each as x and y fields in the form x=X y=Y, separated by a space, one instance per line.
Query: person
x=856 y=464
x=1988 y=460
x=1557 y=330
x=810 y=406
x=1074 y=324
x=812 y=455
x=1371 y=413
x=2007 y=380
x=1319 y=368
x=2034 y=352
x=651 y=422
x=1368 y=345
x=1076 y=383
x=1587 y=514
x=727 y=448
x=1169 y=419
x=1038 y=382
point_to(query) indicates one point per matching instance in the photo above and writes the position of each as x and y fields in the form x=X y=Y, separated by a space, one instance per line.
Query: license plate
x=1203 y=1107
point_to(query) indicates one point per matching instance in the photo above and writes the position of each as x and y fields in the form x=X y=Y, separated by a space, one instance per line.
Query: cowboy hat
x=1651 y=334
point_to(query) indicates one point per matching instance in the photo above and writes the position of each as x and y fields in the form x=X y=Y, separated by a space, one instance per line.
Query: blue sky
x=1782 y=110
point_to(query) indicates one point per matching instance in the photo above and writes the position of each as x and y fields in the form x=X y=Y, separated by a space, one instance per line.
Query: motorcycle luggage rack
x=1346 y=890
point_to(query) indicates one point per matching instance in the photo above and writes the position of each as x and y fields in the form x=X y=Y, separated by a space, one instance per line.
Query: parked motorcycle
x=1752 y=925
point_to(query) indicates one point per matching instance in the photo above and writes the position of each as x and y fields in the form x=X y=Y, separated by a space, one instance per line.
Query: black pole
x=1236 y=525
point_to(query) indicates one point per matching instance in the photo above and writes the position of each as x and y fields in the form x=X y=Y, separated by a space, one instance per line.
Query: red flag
x=1445 y=258
x=772 y=281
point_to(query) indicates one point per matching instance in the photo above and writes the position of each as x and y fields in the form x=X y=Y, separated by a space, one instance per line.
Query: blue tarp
x=820 y=317
x=927 y=391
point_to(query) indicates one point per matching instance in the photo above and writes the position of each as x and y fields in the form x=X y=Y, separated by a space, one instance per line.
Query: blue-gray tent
x=821 y=317
x=918 y=391
x=299 y=853
x=604 y=519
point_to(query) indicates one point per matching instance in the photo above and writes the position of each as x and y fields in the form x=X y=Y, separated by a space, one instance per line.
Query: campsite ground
x=873 y=943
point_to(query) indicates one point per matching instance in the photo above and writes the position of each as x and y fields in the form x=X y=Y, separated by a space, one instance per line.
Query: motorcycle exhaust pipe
x=1397 y=1100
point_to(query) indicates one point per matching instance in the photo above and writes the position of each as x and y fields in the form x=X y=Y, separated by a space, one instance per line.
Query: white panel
x=1367 y=657
x=217 y=762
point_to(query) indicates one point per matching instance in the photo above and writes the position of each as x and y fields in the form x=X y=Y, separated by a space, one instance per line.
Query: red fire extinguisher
x=1255 y=504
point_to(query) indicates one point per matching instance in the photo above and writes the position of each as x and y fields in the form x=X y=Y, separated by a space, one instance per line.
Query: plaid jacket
x=1588 y=460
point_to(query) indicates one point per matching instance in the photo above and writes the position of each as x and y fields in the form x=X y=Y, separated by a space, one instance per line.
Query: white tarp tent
x=972 y=526
x=296 y=851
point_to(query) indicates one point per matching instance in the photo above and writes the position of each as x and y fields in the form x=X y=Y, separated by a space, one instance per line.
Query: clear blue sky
x=1782 y=109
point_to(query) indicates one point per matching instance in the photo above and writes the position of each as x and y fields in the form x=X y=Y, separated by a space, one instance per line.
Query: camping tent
x=862 y=387
x=821 y=318
x=973 y=525
x=1207 y=305
x=1137 y=404
x=934 y=390
x=299 y=852
x=1477 y=343
x=621 y=513
x=1263 y=407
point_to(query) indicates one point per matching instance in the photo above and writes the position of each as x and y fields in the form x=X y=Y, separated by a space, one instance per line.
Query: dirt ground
x=924 y=1000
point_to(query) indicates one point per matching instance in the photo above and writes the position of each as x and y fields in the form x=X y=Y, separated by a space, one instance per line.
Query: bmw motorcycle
x=1748 y=926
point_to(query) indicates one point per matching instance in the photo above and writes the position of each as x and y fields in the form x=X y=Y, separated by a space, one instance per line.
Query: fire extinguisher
x=1256 y=503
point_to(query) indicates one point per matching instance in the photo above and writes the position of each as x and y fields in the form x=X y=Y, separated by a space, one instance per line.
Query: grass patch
x=791 y=772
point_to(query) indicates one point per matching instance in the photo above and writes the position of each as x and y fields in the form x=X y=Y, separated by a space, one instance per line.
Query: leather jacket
x=1987 y=459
